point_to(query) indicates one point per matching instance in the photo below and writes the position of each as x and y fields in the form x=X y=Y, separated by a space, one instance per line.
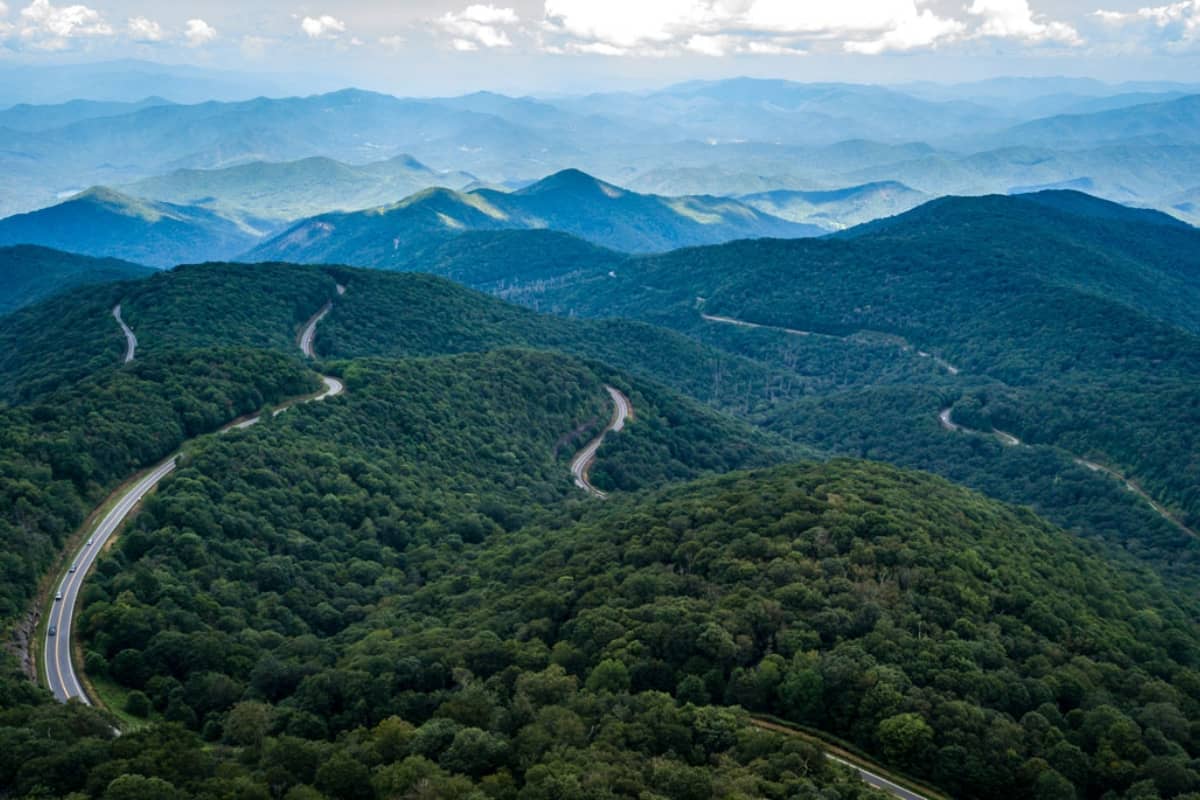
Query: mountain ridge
x=569 y=201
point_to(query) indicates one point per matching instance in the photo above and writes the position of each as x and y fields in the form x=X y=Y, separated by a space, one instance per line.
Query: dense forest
x=276 y=592
x=61 y=455
x=400 y=593
x=1069 y=323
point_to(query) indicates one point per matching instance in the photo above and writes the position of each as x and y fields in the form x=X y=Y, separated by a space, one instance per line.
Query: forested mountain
x=1069 y=323
x=288 y=191
x=569 y=202
x=400 y=588
x=29 y=274
x=1128 y=143
x=103 y=223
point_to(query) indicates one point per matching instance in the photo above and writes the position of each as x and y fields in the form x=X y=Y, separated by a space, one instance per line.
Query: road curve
x=867 y=776
x=582 y=463
x=130 y=339
x=59 y=667
x=310 y=330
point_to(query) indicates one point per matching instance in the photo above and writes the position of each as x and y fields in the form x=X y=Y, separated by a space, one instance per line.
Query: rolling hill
x=569 y=202
x=104 y=223
x=400 y=589
x=1070 y=323
x=29 y=274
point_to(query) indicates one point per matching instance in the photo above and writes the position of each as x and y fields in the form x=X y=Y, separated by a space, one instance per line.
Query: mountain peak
x=103 y=195
x=573 y=181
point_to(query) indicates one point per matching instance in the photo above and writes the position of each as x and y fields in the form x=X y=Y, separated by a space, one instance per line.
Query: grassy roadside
x=111 y=696
x=846 y=751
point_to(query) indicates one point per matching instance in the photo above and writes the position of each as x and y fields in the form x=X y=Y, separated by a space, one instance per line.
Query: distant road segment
x=130 y=339
x=622 y=410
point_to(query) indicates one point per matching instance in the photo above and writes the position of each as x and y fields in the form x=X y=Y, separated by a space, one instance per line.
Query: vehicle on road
x=53 y=630
x=73 y=567
x=58 y=596
x=89 y=543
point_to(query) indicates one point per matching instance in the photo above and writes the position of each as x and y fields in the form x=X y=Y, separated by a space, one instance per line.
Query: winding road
x=310 y=330
x=741 y=323
x=59 y=667
x=622 y=410
x=944 y=417
x=130 y=339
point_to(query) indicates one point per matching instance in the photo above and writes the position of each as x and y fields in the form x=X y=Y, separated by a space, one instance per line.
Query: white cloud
x=49 y=27
x=199 y=33
x=3 y=9
x=1014 y=19
x=478 y=26
x=926 y=29
x=322 y=27
x=142 y=29
x=1177 y=23
x=767 y=27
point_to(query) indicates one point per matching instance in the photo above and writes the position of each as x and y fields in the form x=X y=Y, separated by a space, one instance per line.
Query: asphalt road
x=59 y=666
x=741 y=323
x=130 y=339
x=310 y=330
x=1012 y=441
x=868 y=777
x=587 y=456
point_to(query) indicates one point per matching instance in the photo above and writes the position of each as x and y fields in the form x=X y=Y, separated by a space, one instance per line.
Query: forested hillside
x=952 y=637
x=401 y=590
x=60 y=455
x=29 y=274
x=1065 y=321
x=104 y=223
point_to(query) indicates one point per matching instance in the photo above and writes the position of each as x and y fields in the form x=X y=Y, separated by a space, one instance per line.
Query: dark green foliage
x=419 y=315
x=923 y=623
x=62 y=455
x=29 y=274
x=71 y=336
x=1073 y=322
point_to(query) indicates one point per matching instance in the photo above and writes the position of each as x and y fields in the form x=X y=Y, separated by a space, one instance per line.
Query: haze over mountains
x=740 y=438
x=1133 y=144
x=105 y=223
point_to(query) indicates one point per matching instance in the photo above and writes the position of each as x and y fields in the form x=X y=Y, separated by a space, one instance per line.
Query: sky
x=427 y=47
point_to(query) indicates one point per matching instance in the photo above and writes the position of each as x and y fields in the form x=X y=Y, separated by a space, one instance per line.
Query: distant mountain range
x=105 y=223
x=284 y=192
x=1133 y=143
x=569 y=201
